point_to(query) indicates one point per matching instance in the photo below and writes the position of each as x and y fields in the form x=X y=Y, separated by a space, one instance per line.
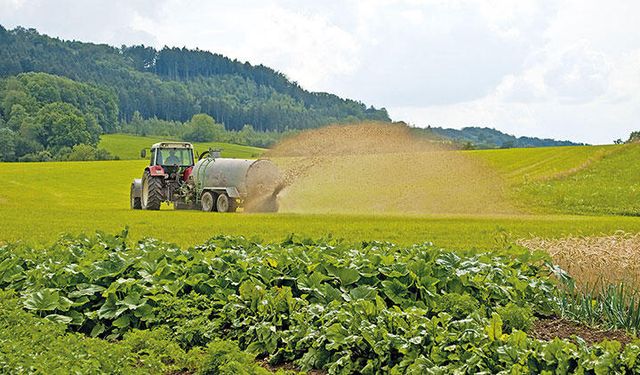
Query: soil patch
x=549 y=329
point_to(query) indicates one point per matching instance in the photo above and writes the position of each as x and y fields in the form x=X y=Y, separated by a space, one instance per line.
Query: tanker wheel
x=151 y=192
x=226 y=204
x=136 y=202
x=207 y=201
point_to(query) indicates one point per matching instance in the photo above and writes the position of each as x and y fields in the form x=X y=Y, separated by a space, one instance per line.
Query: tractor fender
x=156 y=171
x=232 y=192
x=136 y=188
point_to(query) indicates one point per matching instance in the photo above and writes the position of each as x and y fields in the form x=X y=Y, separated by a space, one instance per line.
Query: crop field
x=319 y=305
x=400 y=261
x=41 y=201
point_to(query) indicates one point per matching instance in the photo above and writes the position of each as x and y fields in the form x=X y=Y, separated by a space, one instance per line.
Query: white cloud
x=579 y=74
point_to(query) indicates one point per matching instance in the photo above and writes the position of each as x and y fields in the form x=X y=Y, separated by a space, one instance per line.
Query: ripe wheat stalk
x=595 y=262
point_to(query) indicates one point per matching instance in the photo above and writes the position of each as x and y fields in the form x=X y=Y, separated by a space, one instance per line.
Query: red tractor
x=169 y=169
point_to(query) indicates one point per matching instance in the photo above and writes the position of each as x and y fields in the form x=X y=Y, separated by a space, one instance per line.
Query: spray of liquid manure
x=374 y=168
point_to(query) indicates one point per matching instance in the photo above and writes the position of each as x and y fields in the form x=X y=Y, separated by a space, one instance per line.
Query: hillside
x=584 y=180
x=175 y=84
x=527 y=165
x=607 y=186
x=484 y=138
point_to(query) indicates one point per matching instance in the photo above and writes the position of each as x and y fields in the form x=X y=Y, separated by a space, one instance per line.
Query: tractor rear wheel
x=226 y=204
x=207 y=201
x=151 y=191
x=136 y=202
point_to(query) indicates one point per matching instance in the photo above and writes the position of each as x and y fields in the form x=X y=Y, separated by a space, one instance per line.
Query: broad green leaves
x=46 y=300
x=374 y=308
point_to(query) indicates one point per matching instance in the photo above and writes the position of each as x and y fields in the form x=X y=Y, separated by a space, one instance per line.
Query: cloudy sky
x=561 y=69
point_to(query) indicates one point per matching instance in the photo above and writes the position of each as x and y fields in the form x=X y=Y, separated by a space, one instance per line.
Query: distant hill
x=176 y=83
x=479 y=137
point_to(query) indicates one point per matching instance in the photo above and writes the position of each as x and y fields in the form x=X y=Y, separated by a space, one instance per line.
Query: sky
x=559 y=69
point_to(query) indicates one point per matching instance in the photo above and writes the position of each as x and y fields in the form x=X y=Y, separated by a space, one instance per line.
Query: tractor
x=210 y=184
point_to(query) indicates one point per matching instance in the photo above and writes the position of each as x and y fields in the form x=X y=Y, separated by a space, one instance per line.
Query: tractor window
x=174 y=156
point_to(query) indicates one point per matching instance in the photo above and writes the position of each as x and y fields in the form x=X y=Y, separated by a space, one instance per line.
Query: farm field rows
x=584 y=180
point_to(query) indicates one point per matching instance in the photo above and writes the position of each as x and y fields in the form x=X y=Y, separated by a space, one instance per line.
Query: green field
x=524 y=165
x=39 y=201
x=101 y=304
x=582 y=180
x=127 y=147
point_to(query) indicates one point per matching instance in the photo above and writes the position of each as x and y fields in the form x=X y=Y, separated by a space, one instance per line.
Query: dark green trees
x=45 y=115
x=203 y=128
x=173 y=84
x=63 y=125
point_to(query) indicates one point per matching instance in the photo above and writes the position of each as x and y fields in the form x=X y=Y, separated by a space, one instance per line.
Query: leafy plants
x=369 y=308
x=516 y=317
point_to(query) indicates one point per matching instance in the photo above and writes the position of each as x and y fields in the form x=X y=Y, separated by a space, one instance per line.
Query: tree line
x=484 y=138
x=202 y=128
x=46 y=117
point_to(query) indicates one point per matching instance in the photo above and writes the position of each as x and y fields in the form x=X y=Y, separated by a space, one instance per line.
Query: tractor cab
x=174 y=160
x=170 y=154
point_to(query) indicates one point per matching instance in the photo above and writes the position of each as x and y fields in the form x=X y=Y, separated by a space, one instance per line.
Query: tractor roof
x=172 y=145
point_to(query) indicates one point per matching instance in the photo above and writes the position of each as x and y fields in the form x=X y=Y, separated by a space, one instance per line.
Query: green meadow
x=566 y=191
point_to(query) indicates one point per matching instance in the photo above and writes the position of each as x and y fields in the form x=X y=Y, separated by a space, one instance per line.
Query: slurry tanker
x=210 y=184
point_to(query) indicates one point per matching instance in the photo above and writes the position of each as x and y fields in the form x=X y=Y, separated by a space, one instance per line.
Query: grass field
x=128 y=147
x=610 y=186
x=526 y=165
x=583 y=180
x=42 y=200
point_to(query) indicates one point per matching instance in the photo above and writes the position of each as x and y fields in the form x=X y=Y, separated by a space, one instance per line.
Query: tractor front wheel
x=151 y=192
x=136 y=202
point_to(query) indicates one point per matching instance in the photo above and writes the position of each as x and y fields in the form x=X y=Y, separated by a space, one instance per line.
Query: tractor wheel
x=136 y=202
x=225 y=204
x=207 y=201
x=151 y=192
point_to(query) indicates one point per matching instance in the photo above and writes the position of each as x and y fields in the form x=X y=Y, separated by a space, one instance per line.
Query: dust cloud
x=375 y=168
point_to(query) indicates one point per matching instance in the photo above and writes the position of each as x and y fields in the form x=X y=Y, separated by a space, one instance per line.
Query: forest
x=176 y=83
x=482 y=138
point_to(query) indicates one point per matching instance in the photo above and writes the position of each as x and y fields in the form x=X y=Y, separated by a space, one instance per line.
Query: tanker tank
x=252 y=184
